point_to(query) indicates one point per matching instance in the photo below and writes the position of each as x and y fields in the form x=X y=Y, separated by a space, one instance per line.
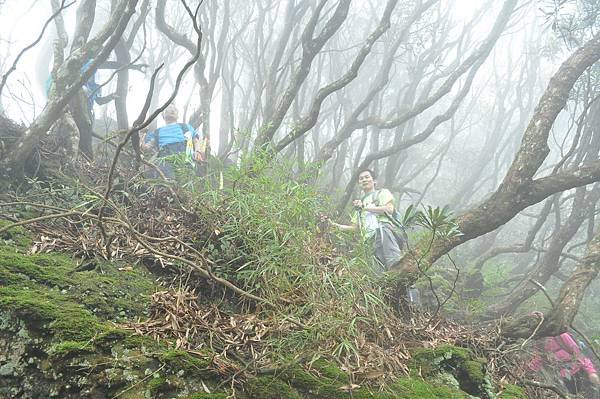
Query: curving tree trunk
x=519 y=189
x=549 y=263
x=565 y=309
x=70 y=78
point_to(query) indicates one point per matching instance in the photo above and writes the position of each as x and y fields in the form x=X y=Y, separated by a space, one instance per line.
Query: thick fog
x=452 y=103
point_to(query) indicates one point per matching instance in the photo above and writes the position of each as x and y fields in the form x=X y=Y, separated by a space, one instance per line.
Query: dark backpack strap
x=376 y=194
x=377 y=203
x=184 y=127
x=391 y=217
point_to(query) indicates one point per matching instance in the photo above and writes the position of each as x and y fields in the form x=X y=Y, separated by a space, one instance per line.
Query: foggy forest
x=194 y=181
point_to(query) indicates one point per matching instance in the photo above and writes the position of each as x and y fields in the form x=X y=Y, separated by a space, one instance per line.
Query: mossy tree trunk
x=549 y=263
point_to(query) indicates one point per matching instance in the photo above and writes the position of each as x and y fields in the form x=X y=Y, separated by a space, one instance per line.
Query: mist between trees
x=487 y=107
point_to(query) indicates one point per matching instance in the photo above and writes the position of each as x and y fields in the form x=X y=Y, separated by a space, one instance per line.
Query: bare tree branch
x=13 y=67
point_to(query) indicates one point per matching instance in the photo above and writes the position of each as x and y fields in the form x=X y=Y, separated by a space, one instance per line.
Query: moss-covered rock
x=49 y=311
x=158 y=385
x=69 y=349
x=183 y=361
x=415 y=388
x=17 y=237
x=430 y=360
x=58 y=339
x=451 y=365
x=298 y=382
x=330 y=370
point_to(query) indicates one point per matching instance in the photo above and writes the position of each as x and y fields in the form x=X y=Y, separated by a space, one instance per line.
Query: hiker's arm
x=387 y=208
x=588 y=366
x=147 y=140
x=344 y=227
x=570 y=345
x=197 y=140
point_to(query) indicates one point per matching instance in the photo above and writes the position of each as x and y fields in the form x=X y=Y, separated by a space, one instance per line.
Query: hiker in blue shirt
x=173 y=138
x=93 y=92
x=91 y=88
x=81 y=105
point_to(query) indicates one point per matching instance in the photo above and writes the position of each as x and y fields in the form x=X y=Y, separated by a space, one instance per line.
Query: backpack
x=189 y=143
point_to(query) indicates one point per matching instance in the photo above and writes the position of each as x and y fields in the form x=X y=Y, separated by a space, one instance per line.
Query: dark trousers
x=580 y=385
x=165 y=151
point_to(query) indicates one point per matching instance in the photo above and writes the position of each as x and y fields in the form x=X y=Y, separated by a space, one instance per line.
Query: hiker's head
x=170 y=114
x=366 y=179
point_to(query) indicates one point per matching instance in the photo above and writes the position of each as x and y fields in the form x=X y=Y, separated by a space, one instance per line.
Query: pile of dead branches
x=177 y=316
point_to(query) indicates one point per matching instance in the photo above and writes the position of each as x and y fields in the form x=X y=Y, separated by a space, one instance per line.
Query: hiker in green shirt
x=372 y=217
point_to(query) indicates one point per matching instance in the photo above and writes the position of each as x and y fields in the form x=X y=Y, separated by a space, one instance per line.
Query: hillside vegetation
x=194 y=292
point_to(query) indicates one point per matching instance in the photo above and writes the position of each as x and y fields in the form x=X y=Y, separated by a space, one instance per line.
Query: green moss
x=307 y=382
x=415 y=388
x=24 y=295
x=330 y=370
x=320 y=386
x=18 y=236
x=72 y=311
x=111 y=335
x=49 y=310
x=472 y=378
x=438 y=363
x=430 y=360
x=181 y=360
x=303 y=385
x=157 y=385
x=125 y=338
x=70 y=348
x=270 y=388
x=108 y=292
x=475 y=370
x=510 y=391
x=44 y=291
x=112 y=293
x=16 y=268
